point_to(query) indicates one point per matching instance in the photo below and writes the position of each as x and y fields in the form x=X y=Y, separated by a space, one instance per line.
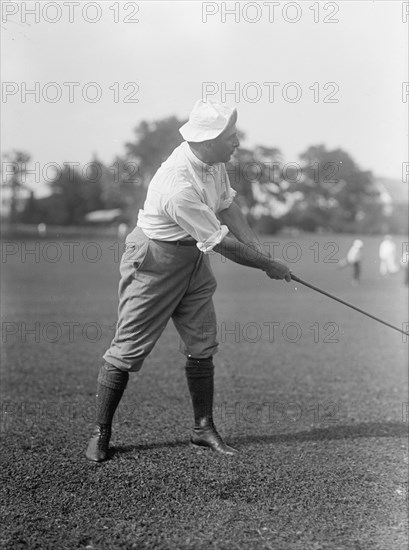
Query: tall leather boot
x=199 y=374
x=111 y=386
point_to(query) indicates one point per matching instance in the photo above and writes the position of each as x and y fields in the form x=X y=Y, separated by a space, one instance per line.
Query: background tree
x=123 y=187
x=153 y=144
x=14 y=167
x=256 y=175
x=75 y=194
x=333 y=192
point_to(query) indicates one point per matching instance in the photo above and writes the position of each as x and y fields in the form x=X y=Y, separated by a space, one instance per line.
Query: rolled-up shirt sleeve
x=227 y=202
x=197 y=219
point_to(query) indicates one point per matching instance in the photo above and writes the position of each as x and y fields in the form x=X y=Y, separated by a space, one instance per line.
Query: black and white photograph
x=204 y=275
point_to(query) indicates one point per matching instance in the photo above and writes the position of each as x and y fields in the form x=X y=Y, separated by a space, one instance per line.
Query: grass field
x=313 y=394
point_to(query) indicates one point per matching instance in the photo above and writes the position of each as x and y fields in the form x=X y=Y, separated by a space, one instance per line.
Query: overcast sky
x=169 y=53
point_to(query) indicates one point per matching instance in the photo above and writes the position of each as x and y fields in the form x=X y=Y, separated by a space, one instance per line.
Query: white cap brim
x=197 y=130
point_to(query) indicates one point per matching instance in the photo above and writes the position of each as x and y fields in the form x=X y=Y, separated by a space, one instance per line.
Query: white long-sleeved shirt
x=183 y=199
x=354 y=254
x=387 y=250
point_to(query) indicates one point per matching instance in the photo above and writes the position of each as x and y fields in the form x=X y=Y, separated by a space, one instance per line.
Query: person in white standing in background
x=387 y=257
x=354 y=257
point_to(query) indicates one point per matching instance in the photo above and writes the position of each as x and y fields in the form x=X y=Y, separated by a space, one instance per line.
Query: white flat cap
x=208 y=120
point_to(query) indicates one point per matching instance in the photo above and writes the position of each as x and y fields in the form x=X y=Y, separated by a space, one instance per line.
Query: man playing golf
x=165 y=270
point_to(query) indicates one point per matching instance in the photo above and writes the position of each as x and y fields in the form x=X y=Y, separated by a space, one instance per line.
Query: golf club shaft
x=298 y=280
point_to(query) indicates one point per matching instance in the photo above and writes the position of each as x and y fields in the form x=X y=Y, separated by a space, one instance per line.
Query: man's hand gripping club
x=247 y=255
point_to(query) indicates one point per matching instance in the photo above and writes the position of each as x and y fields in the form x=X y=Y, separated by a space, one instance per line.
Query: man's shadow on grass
x=332 y=432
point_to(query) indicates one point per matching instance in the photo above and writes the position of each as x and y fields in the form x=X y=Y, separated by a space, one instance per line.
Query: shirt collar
x=197 y=163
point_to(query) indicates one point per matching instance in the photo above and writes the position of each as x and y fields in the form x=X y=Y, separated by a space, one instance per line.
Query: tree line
x=325 y=190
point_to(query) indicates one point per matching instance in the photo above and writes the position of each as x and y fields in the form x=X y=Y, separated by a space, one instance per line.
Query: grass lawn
x=313 y=394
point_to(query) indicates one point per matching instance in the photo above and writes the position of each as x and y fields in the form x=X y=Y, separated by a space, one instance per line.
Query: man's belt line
x=177 y=243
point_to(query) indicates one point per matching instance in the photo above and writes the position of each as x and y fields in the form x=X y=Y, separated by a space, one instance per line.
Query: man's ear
x=209 y=145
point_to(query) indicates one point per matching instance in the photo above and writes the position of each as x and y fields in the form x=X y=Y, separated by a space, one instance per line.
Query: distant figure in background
x=405 y=267
x=122 y=230
x=42 y=229
x=353 y=258
x=387 y=257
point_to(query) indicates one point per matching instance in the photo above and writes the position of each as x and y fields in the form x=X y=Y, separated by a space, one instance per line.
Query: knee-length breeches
x=160 y=281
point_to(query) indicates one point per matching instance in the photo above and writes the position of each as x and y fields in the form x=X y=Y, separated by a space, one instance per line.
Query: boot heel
x=198 y=446
x=207 y=437
x=98 y=446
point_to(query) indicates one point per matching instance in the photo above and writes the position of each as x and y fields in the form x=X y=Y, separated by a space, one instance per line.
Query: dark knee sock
x=199 y=374
x=111 y=386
